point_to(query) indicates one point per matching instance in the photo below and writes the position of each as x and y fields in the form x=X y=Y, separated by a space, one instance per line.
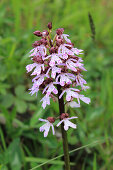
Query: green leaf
x=3 y=167
x=3 y=72
x=19 y=90
x=20 y=105
x=74 y=150
x=6 y=115
x=94 y=113
x=14 y=154
x=42 y=160
x=22 y=94
x=32 y=107
x=3 y=88
x=26 y=96
x=7 y=100
x=54 y=106
x=13 y=113
x=94 y=162
x=2 y=139
x=36 y=116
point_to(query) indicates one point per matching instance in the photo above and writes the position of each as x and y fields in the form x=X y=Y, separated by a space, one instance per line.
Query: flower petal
x=59 y=123
x=70 y=124
x=53 y=129
x=43 y=120
x=74 y=117
x=74 y=104
x=85 y=99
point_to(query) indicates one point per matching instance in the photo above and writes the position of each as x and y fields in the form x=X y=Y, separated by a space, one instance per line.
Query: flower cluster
x=50 y=120
x=56 y=62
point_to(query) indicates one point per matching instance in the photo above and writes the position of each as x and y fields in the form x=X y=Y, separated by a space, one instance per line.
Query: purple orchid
x=46 y=127
x=65 y=119
x=57 y=63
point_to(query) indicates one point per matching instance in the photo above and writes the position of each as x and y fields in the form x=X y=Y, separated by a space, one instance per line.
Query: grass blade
x=93 y=143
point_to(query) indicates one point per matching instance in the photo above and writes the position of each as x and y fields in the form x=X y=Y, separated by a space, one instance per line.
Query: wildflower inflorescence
x=56 y=62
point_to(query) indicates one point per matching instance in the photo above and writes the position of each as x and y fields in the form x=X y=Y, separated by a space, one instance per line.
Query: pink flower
x=77 y=51
x=54 y=71
x=42 y=51
x=38 y=80
x=33 y=52
x=29 y=67
x=67 y=123
x=65 y=37
x=38 y=51
x=65 y=78
x=54 y=59
x=34 y=89
x=74 y=65
x=73 y=93
x=80 y=97
x=85 y=88
x=37 y=70
x=46 y=127
x=74 y=104
x=80 y=81
x=84 y=99
x=70 y=92
x=50 y=88
x=71 y=65
x=56 y=62
x=63 y=51
x=45 y=100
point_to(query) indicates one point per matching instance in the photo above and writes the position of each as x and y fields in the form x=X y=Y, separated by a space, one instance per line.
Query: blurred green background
x=22 y=146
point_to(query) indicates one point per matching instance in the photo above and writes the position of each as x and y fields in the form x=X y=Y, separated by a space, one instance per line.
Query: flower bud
x=66 y=86
x=64 y=115
x=60 y=31
x=51 y=119
x=45 y=71
x=36 y=43
x=48 y=80
x=42 y=86
x=37 y=33
x=64 y=69
x=59 y=40
x=38 y=59
x=45 y=33
x=49 y=25
x=52 y=50
x=43 y=41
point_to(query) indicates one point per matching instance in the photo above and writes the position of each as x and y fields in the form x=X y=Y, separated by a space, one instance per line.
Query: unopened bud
x=59 y=40
x=51 y=119
x=43 y=41
x=45 y=33
x=52 y=50
x=36 y=43
x=64 y=115
x=49 y=25
x=37 y=33
x=38 y=59
x=66 y=86
x=60 y=31
x=48 y=80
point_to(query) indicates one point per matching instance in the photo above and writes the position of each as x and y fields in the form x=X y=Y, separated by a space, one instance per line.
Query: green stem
x=64 y=133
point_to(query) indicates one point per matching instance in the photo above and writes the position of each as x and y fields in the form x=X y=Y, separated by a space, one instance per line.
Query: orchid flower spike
x=46 y=127
x=65 y=119
x=55 y=61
